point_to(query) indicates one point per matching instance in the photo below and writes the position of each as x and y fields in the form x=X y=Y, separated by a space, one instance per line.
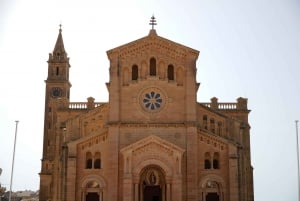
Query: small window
x=215 y=164
x=152 y=67
x=89 y=161
x=212 y=125
x=89 y=164
x=97 y=162
x=170 y=72
x=134 y=72
x=216 y=161
x=207 y=163
x=57 y=70
x=205 y=121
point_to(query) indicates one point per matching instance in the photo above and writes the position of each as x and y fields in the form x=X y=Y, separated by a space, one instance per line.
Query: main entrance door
x=212 y=197
x=92 y=197
x=152 y=184
x=152 y=193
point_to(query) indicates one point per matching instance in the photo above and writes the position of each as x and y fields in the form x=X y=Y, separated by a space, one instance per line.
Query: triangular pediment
x=152 y=150
x=152 y=143
x=153 y=43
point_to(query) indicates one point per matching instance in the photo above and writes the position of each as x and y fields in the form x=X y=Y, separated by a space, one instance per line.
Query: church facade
x=152 y=140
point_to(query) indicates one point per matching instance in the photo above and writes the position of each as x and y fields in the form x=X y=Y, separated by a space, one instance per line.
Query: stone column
x=233 y=174
x=136 y=192
x=192 y=157
x=128 y=189
x=176 y=188
x=70 y=182
x=168 y=192
x=83 y=195
x=163 y=191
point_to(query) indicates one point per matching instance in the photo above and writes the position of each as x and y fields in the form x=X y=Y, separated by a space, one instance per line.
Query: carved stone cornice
x=93 y=141
x=151 y=125
x=212 y=141
x=157 y=44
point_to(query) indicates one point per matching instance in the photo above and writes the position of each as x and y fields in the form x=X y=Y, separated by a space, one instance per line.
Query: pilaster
x=192 y=156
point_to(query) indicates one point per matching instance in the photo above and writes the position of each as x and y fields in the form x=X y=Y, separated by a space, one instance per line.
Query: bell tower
x=57 y=88
x=57 y=83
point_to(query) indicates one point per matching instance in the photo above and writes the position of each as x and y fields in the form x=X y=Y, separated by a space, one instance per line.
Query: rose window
x=152 y=100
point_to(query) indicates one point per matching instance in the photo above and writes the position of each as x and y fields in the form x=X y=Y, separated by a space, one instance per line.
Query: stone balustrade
x=222 y=106
x=82 y=105
x=241 y=104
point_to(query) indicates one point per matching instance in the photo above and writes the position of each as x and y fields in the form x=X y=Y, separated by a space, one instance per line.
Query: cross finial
x=60 y=27
x=152 y=21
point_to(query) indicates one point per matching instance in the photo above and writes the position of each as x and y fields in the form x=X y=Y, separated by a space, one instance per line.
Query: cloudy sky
x=247 y=48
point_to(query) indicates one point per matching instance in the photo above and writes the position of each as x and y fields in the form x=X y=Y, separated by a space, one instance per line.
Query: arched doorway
x=213 y=188
x=212 y=197
x=152 y=184
x=212 y=191
x=92 y=189
x=92 y=196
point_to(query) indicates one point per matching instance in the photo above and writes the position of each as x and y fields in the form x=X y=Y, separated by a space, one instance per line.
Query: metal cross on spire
x=152 y=21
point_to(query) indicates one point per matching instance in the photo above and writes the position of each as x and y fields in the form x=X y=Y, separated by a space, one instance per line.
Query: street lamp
x=13 y=161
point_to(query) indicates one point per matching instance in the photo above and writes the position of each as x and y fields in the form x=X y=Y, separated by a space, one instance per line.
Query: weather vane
x=152 y=21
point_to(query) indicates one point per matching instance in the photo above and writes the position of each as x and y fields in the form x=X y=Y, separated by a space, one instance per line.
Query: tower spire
x=59 y=51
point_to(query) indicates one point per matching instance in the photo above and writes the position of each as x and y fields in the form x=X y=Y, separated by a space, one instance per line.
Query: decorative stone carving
x=212 y=141
x=152 y=148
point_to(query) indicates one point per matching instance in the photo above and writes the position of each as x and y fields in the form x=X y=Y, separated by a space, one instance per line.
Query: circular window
x=152 y=99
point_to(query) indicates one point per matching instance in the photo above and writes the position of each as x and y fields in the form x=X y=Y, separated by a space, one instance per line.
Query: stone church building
x=152 y=140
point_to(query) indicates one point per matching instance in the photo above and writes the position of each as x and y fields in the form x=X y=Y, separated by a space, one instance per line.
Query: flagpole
x=13 y=161
x=298 y=159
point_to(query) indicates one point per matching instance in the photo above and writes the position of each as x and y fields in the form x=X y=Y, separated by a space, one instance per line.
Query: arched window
x=89 y=161
x=134 y=72
x=57 y=70
x=97 y=161
x=170 y=72
x=212 y=125
x=152 y=67
x=216 y=161
x=205 y=121
x=207 y=163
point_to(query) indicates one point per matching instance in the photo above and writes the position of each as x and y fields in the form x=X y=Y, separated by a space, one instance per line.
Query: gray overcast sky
x=247 y=48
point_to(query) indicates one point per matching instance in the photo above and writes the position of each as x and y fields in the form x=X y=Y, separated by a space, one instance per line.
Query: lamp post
x=13 y=161
x=298 y=159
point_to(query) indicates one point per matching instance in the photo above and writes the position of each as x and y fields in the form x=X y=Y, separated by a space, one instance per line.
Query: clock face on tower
x=56 y=92
x=152 y=99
